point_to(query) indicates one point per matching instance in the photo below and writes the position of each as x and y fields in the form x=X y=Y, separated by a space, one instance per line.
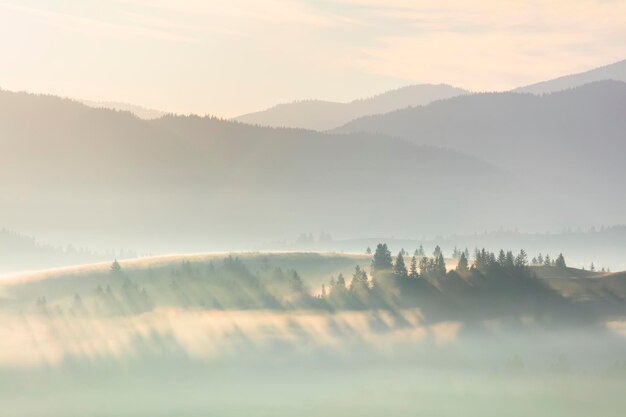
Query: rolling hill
x=104 y=177
x=324 y=115
x=615 y=71
x=566 y=147
x=139 y=111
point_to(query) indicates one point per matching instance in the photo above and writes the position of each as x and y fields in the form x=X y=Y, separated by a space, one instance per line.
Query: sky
x=230 y=57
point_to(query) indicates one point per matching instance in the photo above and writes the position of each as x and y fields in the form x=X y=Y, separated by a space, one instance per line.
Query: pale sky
x=228 y=57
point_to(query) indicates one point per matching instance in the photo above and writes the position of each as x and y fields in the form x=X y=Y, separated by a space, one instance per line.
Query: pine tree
x=510 y=260
x=502 y=258
x=296 y=282
x=413 y=269
x=522 y=259
x=547 y=261
x=440 y=265
x=341 y=282
x=359 y=280
x=462 y=266
x=399 y=269
x=116 y=268
x=424 y=265
x=368 y=251
x=381 y=264
x=560 y=261
x=437 y=252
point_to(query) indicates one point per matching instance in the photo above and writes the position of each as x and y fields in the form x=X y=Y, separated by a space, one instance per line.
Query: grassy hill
x=244 y=278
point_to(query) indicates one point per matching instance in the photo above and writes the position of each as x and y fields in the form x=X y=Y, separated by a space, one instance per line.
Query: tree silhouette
x=399 y=268
x=116 y=268
x=381 y=263
x=521 y=259
x=413 y=268
x=440 y=265
x=462 y=266
x=341 y=282
x=359 y=280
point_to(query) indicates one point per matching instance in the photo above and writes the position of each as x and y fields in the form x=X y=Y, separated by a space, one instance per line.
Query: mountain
x=566 y=147
x=616 y=71
x=139 y=111
x=107 y=178
x=324 y=115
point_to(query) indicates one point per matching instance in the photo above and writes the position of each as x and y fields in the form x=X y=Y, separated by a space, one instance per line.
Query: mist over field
x=341 y=208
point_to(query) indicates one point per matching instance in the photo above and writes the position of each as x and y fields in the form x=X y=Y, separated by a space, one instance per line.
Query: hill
x=616 y=71
x=107 y=178
x=243 y=280
x=139 y=111
x=324 y=115
x=565 y=147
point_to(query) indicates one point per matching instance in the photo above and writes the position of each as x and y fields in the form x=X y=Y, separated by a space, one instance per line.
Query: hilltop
x=325 y=115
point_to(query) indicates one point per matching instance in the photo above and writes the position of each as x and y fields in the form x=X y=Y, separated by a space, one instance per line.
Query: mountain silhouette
x=108 y=176
x=324 y=115
x=616 y=72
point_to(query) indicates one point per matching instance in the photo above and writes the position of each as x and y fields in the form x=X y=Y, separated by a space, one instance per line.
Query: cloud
x=488 y=44
x=97 y=26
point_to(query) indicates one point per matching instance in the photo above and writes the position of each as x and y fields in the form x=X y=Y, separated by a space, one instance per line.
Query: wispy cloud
x=499 y=44
x=101 y=27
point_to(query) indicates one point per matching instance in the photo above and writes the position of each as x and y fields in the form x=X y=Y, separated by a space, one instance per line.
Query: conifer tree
x=440 y=265
x=399 y=268
x=462 y=266
x=413 y=269
x=341 y=282
x=522 y=259
x=547 y=261
x=560 y=261
x=502 y=258
x=424 y=265
x=116 y=268
x=359 y=279
x=381 y=263
x=510 y=260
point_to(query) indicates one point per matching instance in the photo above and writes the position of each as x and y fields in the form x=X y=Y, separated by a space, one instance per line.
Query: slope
x=324 y=115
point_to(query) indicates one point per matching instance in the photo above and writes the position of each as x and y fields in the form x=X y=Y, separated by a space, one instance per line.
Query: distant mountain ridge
x=139 y=111
x=324 y=115
x=615 y=71
x=567 y=145
x=211 y=184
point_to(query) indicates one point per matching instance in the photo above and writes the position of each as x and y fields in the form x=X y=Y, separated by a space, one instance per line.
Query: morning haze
x=351 y=207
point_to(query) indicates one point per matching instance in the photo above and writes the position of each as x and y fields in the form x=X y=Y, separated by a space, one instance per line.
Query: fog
x=428 y=250
x=202 y=335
